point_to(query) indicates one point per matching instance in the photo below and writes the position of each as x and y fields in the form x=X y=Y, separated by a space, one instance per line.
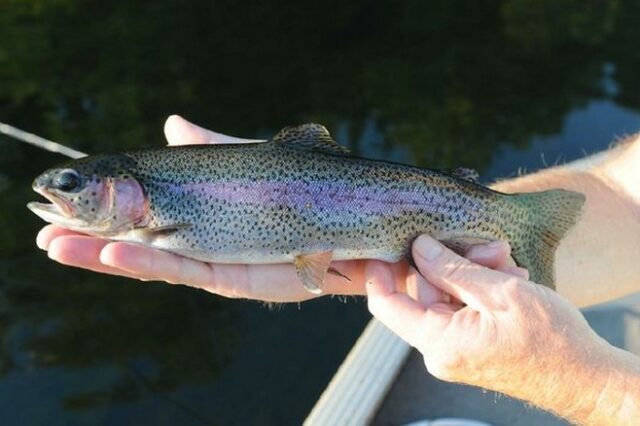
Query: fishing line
x=40 y=142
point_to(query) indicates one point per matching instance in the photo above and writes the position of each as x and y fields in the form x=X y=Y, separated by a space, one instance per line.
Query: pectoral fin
x=334 y=271
x=312 y=269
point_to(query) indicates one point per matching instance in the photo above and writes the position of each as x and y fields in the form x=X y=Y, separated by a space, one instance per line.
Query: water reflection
x=439 y=84
x=598 y=124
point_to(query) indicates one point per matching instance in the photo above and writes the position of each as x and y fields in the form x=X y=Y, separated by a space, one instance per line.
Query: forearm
x=619 y=401
x=600 y=389
x=599 y=259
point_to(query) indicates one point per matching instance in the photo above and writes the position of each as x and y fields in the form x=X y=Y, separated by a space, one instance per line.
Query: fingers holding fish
x=494 y=255
x=466 y=281
x=79 y=250
x=420 y=290
x=280 y=282
x=233 y=281
x=82 y=251
x=153 y=264
x=399 y=312
x=416 y=319
x=228 y=280
x=179 y=131
x=49 y=233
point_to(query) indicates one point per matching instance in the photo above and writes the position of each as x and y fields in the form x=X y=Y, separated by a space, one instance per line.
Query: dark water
x=498 y=86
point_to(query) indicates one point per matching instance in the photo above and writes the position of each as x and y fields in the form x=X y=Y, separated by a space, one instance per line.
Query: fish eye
x=67 y=180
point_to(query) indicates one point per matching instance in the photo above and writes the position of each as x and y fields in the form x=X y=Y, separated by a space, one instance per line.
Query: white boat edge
x=363 y=380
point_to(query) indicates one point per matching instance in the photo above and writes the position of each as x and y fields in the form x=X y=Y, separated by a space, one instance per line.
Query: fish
x=298 y=198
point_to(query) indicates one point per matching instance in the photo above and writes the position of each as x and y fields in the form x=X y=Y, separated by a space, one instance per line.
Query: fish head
x=98 y=196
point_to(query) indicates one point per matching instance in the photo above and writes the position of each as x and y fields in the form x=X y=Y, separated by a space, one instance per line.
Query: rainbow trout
x=299 y=198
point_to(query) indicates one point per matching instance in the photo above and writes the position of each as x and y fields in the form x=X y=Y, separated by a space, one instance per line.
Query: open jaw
x=58 y=211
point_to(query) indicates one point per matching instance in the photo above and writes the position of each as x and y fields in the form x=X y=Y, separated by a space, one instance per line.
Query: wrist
x=566 y=382
x=619 y=400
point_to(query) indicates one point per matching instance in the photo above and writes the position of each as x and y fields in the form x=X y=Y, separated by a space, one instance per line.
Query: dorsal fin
x=311 y=136
x=465 y=173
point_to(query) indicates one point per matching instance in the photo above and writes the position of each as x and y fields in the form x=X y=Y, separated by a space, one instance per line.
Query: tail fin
x=550 y=216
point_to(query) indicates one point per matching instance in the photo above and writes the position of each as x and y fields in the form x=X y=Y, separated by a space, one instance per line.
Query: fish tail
x=549 y=216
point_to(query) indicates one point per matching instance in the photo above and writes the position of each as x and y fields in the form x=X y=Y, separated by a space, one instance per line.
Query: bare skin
x=508 y=334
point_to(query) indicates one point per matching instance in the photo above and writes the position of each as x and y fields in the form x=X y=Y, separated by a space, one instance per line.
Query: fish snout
x=41 y=182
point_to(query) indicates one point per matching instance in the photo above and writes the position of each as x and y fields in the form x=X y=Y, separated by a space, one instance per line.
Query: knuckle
x=237 y=282
x=524 y=273
x=212 y=280
x=175 y=271
x=217 y=281
x=514 y=289
x=219 y=284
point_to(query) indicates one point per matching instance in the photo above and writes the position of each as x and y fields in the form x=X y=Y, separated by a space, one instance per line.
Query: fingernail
x=52 y=252
x=104 y=257
x=41 y=243
x=428 y=248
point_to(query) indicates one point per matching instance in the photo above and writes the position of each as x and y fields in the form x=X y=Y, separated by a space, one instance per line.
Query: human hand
x=500 y=331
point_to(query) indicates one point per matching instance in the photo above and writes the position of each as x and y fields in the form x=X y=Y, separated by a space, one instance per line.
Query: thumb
x=468 y=282
x=179 y=131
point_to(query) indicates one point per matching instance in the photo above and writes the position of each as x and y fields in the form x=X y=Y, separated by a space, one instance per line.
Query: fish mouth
x=56 y=210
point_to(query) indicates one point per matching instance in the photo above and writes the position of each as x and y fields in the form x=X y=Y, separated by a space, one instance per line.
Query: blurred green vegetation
x=448 y=80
